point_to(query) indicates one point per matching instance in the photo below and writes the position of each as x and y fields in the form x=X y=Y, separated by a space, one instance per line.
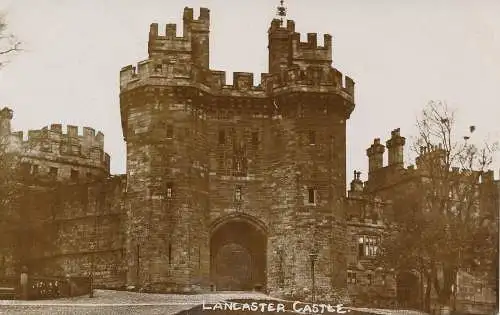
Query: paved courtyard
x=123 y=303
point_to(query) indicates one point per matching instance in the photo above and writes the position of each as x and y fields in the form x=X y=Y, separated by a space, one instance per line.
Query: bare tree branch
x=9 y=44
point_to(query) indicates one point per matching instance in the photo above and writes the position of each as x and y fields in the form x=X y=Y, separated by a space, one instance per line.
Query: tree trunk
x=427 y=301
x=445 y=292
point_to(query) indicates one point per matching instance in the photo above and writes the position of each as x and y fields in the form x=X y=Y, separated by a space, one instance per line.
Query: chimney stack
x=395 y=147
x=375 y=155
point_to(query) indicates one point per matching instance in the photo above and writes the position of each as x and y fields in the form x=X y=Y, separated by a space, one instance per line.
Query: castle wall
x=74 y=230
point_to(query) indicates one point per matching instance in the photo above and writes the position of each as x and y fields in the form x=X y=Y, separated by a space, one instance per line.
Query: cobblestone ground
x=124 y=303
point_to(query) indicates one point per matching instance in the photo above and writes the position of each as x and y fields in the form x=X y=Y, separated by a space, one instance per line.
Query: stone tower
x=6 y=115
x=312 y=103
x=235 y=186
x=167 y=173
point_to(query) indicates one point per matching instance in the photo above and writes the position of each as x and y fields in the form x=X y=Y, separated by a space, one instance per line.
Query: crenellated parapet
x=166 y=43
x=83 y=147
x=171 y=57
x=183 y=60
x=287 y=49
x=152 y=72
x=430 y=156
x=242 y=85
x=162 y=43
x=309 y=51
x=314 y=79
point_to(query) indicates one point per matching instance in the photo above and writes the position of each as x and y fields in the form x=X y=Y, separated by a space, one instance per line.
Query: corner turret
x=6 y=115
x=194 y=43
x=286 y=49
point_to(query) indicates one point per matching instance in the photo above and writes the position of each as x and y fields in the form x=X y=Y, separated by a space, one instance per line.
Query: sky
x=401 y=54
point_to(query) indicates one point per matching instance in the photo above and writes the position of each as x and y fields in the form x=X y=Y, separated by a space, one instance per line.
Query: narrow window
x=199 y=258
x=169 y=254
x=170 y=132
x=311 y=199
x=370 y=281
x=222 y=137
x=312 y=137
x=255 y=138
x=169 y=190
x=237 y=194
x=361 y=249
x=74 y=175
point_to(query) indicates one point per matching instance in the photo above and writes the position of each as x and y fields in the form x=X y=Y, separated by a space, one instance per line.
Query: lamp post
x=313 y=256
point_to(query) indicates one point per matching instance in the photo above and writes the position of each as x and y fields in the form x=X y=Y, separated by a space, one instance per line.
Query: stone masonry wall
x=75 y=230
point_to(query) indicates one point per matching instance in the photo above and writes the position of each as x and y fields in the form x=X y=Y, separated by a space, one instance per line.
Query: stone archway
x=238 y=248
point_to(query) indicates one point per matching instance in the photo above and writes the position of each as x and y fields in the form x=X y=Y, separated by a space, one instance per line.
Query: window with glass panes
x=368 y=245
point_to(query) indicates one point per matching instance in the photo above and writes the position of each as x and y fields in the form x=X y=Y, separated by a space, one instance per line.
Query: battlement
x=149 y=69
x=203 y=17
x=487 y=176
x=52 y=139
x=310 y=51
x=169 y=42
x=431 y=152
x=242 y=82
x=175 y=60
x=287 y=49
x=55 y=132
x=329 y=78
x=132 y=73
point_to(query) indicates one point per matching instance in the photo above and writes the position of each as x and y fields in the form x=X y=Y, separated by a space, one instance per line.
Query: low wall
x=39 y=288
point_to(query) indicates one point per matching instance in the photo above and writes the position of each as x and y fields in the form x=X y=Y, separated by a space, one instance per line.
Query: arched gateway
x=238 y=247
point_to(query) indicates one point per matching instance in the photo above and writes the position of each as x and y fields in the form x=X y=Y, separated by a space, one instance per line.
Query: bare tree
x=444 y=224
x=9 y=43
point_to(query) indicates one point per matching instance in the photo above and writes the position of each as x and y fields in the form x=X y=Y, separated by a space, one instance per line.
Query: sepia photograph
x=209 y=157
